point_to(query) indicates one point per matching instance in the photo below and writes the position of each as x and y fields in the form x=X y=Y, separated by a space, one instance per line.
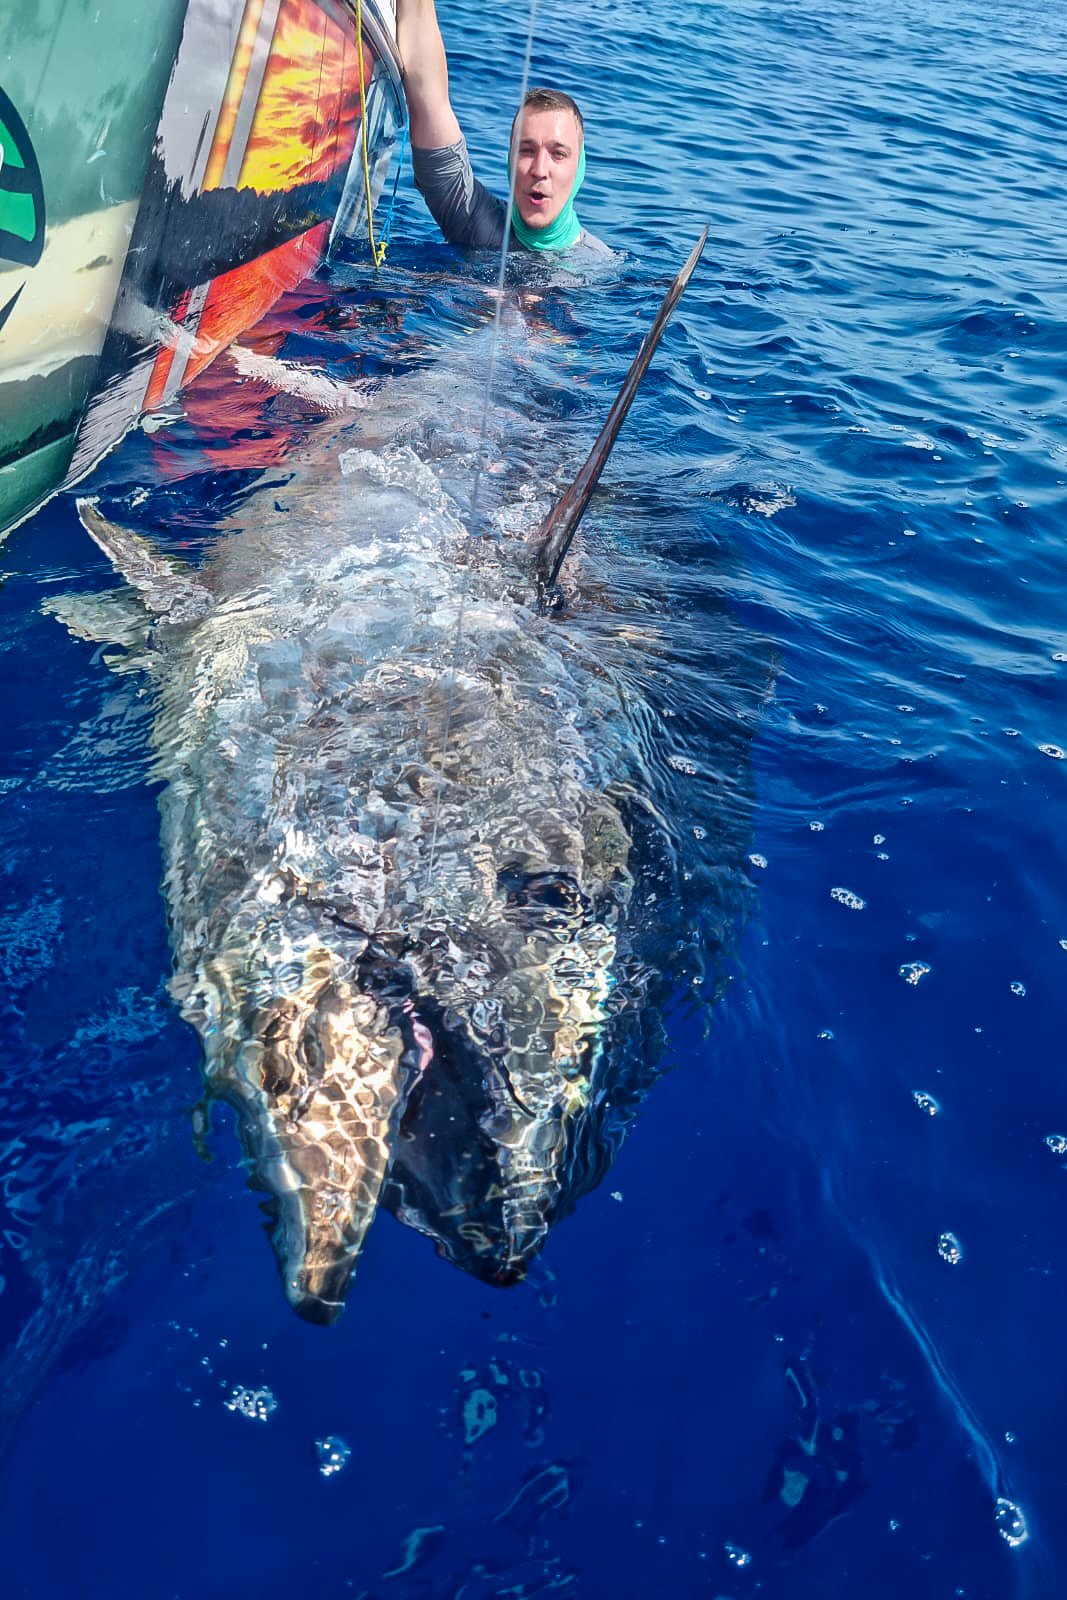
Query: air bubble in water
x=925 y=1102
x=332 y=1454
x=1018 y=988
x=816 y=827
x=1052 y=750
x=1057 y=1143
x=914 y=972
x=257 y=1404
x=950 y=1249
x=1011 y=1523
x=845 y=897
x=479 y=1414
x=757 y=860
x=735 y=1555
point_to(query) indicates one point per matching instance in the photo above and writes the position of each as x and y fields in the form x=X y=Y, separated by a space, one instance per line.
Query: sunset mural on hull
x=307 y=119
x=303 y=130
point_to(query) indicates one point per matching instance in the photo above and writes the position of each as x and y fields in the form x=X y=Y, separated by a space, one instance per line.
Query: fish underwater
x=405 y=818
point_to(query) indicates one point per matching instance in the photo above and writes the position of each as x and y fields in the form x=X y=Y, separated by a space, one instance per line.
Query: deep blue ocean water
x=744 y=1365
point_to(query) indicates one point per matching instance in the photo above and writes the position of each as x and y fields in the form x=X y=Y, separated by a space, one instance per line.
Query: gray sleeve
x=462 y=207
x=590 y=244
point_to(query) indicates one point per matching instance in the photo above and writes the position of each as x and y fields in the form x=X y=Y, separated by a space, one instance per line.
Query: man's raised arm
x=422 y=52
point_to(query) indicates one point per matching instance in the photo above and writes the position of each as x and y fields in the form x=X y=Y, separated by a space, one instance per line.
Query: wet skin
x=545 y=153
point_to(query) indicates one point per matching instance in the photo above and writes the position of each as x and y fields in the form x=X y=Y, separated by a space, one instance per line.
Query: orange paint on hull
x=307 y=118
x=304 y=130
x=157 y=383
x=239 y=298
x=231 y=102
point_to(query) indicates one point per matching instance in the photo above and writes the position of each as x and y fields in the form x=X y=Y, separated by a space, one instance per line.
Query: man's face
x=545 y=160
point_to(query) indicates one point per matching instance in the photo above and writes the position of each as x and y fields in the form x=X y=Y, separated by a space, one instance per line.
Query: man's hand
x=422 y=52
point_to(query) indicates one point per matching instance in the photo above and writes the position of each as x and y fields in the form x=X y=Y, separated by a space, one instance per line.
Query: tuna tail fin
x=553 y=538
x=168 y=590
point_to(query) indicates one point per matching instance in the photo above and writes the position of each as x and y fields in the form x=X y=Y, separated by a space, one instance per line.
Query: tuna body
x=396 y=867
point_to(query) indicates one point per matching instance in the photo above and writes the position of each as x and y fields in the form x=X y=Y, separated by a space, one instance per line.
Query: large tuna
x=397 y=860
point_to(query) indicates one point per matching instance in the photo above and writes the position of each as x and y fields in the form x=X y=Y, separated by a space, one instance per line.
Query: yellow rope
x=377 y=251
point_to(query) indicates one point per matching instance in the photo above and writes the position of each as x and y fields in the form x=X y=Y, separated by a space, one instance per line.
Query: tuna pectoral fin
x=553 y=538
x=169 y=591
x=114 y=618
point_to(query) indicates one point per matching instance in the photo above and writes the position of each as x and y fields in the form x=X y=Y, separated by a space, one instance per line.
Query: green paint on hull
x=24 y=483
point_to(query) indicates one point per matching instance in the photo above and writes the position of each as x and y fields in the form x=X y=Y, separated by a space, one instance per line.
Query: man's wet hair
x=551 y=100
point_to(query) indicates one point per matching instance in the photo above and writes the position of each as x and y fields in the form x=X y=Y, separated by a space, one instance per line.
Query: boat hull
x=168 y=173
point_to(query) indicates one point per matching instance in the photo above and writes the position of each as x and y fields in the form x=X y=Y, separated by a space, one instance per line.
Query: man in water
x=547 y=155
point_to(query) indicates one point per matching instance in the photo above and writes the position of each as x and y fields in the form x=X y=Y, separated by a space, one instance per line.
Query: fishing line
x=480 y=452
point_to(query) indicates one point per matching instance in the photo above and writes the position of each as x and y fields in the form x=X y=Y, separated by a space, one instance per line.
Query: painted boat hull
x=169 y=171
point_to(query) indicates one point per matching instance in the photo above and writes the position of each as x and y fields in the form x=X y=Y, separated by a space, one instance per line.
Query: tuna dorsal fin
x=168 y=590
x=553 y=538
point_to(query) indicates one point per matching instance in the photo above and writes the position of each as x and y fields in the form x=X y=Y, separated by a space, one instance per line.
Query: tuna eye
x=542 y=899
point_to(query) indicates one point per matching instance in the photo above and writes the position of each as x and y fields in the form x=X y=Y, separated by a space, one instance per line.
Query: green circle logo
x=21 y=191
x=21 y=197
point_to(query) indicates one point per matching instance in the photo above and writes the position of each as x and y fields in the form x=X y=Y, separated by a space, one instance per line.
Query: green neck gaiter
x=564 y=231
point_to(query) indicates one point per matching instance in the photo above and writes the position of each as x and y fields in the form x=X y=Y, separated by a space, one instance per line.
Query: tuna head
x=449 y=1074
x=315 y=1063
x=514 y=1028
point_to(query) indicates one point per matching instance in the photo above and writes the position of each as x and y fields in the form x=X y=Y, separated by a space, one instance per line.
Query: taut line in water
x=480 y=454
